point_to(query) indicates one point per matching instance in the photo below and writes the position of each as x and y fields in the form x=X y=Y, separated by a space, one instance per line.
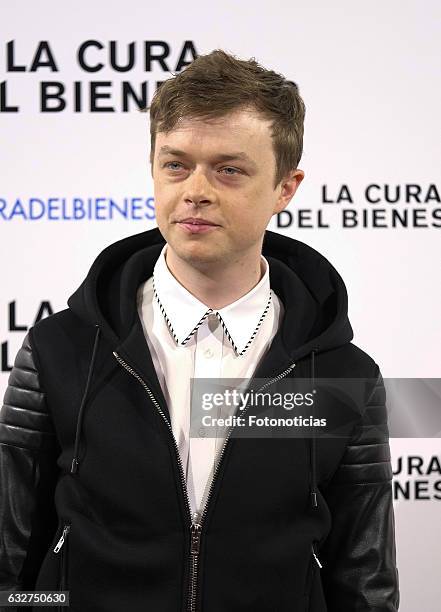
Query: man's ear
x=288 y=187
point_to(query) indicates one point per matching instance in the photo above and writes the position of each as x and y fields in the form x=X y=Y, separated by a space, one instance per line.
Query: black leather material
x=28 y=472
x=359 y=563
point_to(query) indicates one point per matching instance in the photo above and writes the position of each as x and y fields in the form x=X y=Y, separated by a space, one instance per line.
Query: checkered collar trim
x=240 y=320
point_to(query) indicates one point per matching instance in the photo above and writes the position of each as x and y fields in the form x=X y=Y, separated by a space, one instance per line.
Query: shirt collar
x=184 y=313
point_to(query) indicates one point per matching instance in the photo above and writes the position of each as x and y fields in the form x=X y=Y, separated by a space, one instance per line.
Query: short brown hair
x=218 y=83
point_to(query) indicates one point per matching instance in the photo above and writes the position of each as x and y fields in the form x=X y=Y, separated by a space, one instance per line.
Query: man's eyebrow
x=167 y=150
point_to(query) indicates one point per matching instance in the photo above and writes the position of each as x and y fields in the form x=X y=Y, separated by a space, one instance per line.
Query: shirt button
x=212 y=322
x=208 y=353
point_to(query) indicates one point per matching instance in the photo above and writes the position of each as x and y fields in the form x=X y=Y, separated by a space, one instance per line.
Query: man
x=104 y=492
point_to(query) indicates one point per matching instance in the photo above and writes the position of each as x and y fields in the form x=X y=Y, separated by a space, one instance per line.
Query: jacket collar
x=241 y=319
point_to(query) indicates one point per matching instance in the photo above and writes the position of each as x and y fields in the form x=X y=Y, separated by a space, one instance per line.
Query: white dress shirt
x=187 y=339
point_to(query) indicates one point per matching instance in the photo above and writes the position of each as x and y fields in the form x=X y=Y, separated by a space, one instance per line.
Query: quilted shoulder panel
x=367 y=456
x=25 y=420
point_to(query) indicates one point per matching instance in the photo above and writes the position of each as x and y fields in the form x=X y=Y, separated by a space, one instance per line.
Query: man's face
x=221 y=170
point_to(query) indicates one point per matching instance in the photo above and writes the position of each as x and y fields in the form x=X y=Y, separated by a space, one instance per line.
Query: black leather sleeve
x=359 y=564
x=28 y=473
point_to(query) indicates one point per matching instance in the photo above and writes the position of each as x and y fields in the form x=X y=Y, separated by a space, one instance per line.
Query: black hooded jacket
x=93 y=495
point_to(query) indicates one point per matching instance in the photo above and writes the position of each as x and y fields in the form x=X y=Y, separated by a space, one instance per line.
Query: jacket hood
x=313 y=293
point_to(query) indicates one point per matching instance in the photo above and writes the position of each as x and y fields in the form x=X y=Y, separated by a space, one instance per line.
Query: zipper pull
x=316 y=558
x=61 y=540
x=195 y=538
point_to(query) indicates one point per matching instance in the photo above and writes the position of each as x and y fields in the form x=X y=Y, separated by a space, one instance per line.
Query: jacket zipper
x=62 y=539
x=63 y=560
x=314 y=554
x=195 y=525
x=310 y=574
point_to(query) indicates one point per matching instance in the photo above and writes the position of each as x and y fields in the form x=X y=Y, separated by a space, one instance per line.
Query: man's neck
x=217 y=286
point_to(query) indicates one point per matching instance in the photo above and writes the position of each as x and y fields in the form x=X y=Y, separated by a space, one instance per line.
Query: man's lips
x=196 y=221
x=196 y=225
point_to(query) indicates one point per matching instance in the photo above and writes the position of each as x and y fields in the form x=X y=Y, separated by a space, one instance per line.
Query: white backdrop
x=369 y=75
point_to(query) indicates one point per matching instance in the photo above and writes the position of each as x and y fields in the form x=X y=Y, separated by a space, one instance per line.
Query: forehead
x=245 y=128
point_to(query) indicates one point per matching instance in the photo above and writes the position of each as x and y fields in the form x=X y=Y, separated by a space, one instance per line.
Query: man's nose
x=198 y=189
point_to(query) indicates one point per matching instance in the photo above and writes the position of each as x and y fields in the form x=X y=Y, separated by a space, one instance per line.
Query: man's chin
x=198 y=254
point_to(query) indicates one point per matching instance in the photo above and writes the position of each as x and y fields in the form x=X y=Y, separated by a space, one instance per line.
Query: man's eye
x=167 y=165
x=231 y=168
